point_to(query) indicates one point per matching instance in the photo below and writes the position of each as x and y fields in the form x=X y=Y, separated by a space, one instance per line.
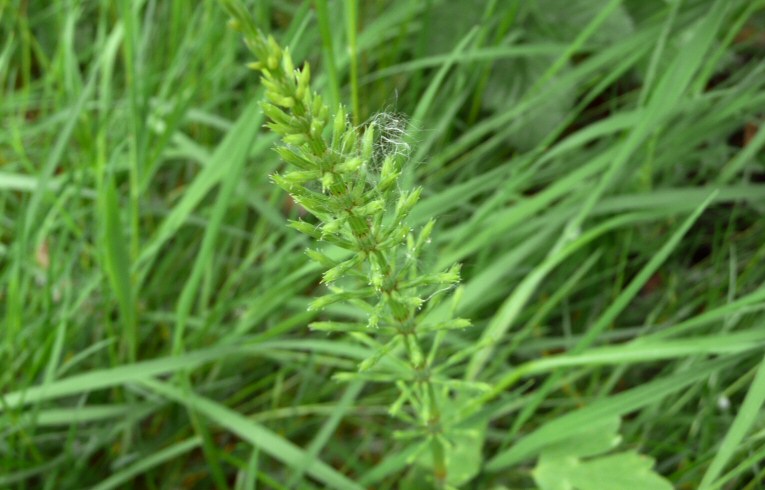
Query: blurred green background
x=153 y=302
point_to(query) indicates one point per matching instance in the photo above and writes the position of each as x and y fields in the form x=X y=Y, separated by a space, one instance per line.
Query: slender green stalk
x=330 y=66
x=349 y=181
x=137 y=145
x=351 y=19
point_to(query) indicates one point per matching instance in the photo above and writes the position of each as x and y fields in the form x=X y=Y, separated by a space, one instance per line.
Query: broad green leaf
x=615 y=472
x=579 y=462
x=563 y=20
x=511 y=80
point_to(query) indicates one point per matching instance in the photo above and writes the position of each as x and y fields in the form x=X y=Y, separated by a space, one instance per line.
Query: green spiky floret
x=350 y=183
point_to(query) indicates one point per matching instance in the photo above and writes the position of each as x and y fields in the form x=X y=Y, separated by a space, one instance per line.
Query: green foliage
x=562 y=20
x=578 y=462
x=595 y=166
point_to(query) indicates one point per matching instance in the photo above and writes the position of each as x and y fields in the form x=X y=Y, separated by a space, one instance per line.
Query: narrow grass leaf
x=119 y=478
x=257 y=435
x=615 y=405
x=747 y=415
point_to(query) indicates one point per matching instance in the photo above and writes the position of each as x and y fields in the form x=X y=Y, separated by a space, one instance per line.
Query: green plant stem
x=405 y=314
x=330 y=66
x=351 y=17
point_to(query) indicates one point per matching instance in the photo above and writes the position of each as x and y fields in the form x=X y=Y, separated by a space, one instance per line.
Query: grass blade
x=257 y=435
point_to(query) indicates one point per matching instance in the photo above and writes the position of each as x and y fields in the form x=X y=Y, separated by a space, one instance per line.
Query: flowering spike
x=350 y=182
